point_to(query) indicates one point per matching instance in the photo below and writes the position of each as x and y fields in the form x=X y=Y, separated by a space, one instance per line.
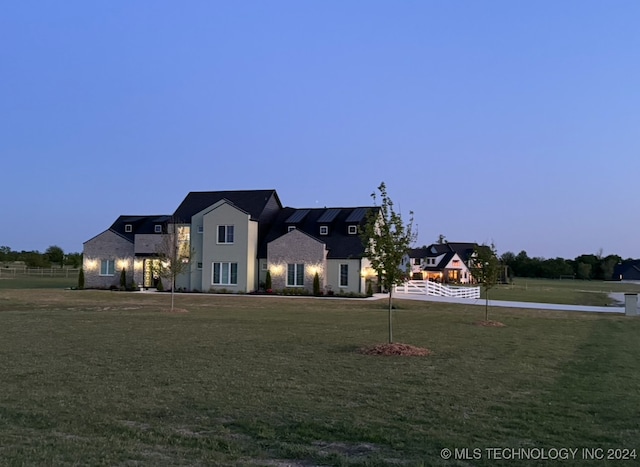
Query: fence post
x=631 y=304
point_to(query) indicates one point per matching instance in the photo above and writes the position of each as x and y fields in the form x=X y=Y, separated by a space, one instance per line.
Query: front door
x=150 y=274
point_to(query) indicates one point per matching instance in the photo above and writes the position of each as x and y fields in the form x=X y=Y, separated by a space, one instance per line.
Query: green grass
x=573 y=292
x=20 y=280
x=109 y=378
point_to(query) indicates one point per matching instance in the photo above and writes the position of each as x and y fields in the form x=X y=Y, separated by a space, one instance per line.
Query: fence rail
x=438 y=290
x=39 y=272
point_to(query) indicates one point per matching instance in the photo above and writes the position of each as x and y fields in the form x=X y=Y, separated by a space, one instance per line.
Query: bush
x=267 y=281
x=316 y=284
x=123 y=279
x=81 y=279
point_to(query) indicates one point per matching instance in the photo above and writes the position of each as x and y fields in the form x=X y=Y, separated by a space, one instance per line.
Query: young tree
x=174 y=254
x=486 y=268
x=386 y=241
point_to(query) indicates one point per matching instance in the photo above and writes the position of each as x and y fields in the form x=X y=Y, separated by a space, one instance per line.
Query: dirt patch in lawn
x=175 y=310
x=490 y=324
x=396 y=349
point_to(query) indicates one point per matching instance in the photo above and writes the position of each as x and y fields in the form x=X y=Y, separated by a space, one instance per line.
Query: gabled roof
x=339 y=242
x=139 y=225
x=445 y=251
x=253 y=202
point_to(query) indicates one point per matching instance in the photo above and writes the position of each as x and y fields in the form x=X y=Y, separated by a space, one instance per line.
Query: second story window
x=128 y=228
x=157 y=228
x=225 y=234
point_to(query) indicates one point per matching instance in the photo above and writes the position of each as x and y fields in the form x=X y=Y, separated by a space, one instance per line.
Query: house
x=442 y=262
x=627 y=271
x=232 y=238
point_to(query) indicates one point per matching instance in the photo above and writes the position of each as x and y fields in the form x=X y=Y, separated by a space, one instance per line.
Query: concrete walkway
x=500 y=303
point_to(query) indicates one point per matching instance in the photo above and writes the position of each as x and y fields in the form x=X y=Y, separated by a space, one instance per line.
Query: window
x=344 y=275
x=416 y=261
x=199 y=265
x=265 y=267
x=200 y=229
x=157 y=228
x=128 y=228
x=225 y=234
x=324 y=230
x=225 y=274
x=352 y=229
x=107 y=267
x=295 y=275
x=290 y=228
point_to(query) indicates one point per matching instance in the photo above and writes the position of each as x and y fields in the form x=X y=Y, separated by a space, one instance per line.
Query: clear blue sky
x=504 y=121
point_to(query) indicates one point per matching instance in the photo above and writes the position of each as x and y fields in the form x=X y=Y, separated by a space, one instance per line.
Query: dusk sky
x=515 y=122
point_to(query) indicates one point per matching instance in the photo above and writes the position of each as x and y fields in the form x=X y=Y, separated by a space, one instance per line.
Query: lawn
x=574 y=292
x=112 y=378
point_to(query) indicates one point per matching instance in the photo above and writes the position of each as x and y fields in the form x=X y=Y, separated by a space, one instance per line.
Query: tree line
x=52 y=256
x=586 y=267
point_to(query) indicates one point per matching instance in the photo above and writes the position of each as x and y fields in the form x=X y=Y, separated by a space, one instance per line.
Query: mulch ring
x=175 y=310
x=490 y=324
x=396 y=349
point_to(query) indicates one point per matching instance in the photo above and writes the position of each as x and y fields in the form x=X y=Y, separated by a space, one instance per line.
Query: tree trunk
x=486 y=305
x=173 y=287
x=390 y=318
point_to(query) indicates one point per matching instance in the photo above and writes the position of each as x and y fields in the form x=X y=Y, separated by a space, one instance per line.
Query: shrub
x=267 y=281
x=316 y=284
x=123 y=279
x=81 y=279
x=160 y=287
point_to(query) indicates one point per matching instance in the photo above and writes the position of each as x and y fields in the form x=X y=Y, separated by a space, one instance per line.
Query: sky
x=509 y=122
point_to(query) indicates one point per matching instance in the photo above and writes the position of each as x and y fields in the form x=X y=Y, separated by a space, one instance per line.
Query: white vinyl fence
x=39 y=272
x=438 y=290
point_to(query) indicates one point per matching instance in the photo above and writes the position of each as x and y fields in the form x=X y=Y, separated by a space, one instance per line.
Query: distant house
x=234 y=238
x=627 y=271
x=442 y=262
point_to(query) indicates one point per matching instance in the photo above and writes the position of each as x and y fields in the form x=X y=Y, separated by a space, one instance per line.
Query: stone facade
x=296 y=247
x=108 y=246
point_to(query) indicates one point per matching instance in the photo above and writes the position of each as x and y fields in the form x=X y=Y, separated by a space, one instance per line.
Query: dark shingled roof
x=340 y=244
x=448 y=249
x=253 y=202
x=627 y=270
x=139 y=225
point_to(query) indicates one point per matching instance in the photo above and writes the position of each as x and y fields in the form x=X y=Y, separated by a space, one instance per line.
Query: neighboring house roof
x=339 y=242
x=446 y=251
x=628 y=270
x=254 y=202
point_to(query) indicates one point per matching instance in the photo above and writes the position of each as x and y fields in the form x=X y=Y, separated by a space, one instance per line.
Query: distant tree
x=55 y=254
x=386 y=241
x=5 y=253
x=73 y=259
x=33 y=259
x=607 y=265
x=486 y=269
x=441 y=239
x=583 y=271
